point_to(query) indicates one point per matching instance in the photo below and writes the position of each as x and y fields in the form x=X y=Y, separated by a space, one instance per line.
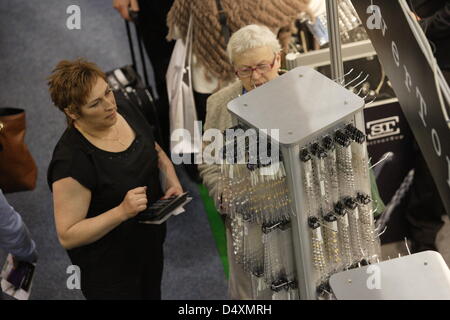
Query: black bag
x=128 y=84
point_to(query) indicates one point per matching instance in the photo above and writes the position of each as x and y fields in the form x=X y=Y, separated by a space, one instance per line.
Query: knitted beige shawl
x=208 y=42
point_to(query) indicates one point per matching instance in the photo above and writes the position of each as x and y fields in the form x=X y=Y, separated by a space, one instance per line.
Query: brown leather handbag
x=18 y=171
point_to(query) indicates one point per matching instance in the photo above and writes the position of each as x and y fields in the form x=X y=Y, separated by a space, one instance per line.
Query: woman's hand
x=122 y=7
x=170 y=181
x=134 y=202
x=414 y=16
x=173 y=191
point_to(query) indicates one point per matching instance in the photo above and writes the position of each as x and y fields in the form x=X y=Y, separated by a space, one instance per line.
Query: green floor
x=217 y=227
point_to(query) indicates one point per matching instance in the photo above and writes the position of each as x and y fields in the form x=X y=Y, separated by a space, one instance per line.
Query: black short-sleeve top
x=109 y=176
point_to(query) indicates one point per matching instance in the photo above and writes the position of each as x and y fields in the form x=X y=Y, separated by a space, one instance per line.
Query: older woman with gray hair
x=254 y=52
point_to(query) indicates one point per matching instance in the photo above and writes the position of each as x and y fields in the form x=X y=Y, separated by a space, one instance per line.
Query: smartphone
x=21 y=276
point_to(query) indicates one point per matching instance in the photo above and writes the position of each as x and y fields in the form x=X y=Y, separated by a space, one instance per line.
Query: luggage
x=127 y=84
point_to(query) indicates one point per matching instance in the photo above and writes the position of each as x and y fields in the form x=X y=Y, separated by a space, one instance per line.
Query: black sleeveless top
x=122 y=253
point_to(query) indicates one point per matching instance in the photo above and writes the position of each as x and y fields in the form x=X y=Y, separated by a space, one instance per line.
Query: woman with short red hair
x=105 y=170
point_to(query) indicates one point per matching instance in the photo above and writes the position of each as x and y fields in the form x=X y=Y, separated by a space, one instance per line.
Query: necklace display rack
x=302 y=222
x=310 y=215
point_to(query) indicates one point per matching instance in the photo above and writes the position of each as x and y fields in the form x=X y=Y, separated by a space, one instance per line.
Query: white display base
x=420 y=276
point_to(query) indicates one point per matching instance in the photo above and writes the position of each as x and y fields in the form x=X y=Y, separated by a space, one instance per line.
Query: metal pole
x=300 y=230
x=337 y=66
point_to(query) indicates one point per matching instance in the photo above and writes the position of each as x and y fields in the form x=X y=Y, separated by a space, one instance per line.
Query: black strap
x=223 y=22
x=130 y=43
x=134 y=16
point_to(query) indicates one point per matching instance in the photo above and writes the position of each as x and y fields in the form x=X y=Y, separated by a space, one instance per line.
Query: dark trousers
x=146 y=287
x=424 y=208
x=153 y=29
x=128 y=268
x=200 y=106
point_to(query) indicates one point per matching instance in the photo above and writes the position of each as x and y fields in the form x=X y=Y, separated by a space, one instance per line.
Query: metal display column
x=337 y=66
x=300 y=230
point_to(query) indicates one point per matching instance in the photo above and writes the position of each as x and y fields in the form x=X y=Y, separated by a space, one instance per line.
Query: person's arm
x=172 y=184
x=211 y=173
x=122 y=7
x=71 y=202
x=14 y=235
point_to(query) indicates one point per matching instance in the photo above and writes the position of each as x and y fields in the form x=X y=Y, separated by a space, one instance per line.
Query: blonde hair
x=249 y=37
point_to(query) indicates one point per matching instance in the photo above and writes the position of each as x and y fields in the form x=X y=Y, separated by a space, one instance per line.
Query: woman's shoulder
x=224 y=95
x=71 y=159
x=69 y=144
x=133 y=114
x=217 y=115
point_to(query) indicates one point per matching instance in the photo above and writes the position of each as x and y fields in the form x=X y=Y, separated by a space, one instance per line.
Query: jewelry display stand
x=317 y=125
x=330 y=231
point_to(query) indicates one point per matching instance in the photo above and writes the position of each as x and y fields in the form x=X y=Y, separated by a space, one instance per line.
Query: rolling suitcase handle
x=134 y=18
x=127 y=82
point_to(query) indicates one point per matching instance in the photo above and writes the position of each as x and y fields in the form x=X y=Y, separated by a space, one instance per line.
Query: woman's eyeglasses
x=260 y=68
